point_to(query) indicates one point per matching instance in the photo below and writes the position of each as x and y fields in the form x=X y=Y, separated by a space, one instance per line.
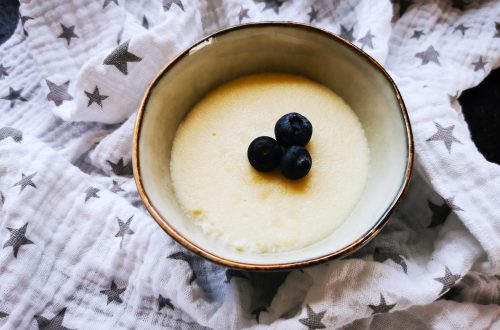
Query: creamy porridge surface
x=264 y=212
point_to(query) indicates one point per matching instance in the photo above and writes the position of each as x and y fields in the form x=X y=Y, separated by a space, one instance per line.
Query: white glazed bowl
x=275 y=47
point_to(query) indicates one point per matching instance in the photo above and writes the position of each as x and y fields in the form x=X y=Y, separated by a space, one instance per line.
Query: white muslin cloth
x=79 y=251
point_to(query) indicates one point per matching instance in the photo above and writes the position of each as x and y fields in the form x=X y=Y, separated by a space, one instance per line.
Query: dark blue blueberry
x=295 y=163
x=293 y=129
x=264 y=153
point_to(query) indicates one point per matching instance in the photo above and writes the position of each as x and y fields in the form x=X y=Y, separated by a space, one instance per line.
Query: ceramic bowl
x=287 y=48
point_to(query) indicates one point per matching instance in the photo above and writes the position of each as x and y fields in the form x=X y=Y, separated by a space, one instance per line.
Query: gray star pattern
x=453 y=98
x=429 y=55
x=448 y=280
x=313 y=14
x=3 y=71
x=113 y=293
x=120 y=57
x=347 y=34
x=444 y=134
x=16 y=135
x=313 y=320
x=107 y=2
x=91 y=192
x=451 y=203
x=243 y=14
x=382 y=307
x=116 y=188
x=479 y=65
x=14 y=95
x=184 y=257
x=26 y=180
x=58 y=93
x=17 y=239
x=145 y=23
x=230 y=273
x=162 y=302
x=120 y=168
x=275 y=5
x=257 y=312
x=2 y=315
x=497 y=33
x=24 y=19
x=67 y=33
x=95 y=97
x=462 y=28
x=167 y=4
x=382 y=254
x=124 y=229
x=367 y=40
x=417 y=34
x=55 y=323
x=441 y=213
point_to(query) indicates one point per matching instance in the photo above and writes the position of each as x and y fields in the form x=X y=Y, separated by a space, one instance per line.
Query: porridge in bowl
x=264 y=212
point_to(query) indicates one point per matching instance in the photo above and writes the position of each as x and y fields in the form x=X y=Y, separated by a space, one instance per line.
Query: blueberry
x=295 y=163
x=264 y=153
x=293 y=129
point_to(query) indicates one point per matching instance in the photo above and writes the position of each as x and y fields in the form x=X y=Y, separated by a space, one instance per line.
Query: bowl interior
x=281 y=48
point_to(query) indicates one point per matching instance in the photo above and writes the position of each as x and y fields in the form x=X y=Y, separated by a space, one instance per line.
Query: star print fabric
x=75 y=236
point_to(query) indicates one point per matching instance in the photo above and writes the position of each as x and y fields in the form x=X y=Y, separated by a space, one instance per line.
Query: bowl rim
x=355 y=245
